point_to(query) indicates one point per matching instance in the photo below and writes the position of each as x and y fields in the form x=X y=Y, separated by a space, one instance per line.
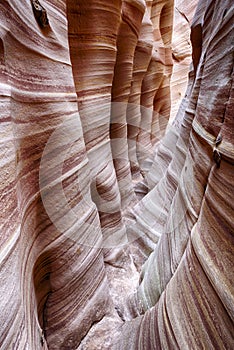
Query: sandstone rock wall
x=114 y=236
x=52 y=285
x=182 y=281
x=181 y=51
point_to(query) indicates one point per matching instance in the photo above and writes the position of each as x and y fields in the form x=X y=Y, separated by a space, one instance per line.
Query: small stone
x=40 y=14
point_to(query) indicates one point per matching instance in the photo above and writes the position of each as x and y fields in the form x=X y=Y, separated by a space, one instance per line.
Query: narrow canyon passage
x=117 y=152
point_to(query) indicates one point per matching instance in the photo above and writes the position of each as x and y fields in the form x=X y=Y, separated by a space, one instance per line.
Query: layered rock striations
x=114 y=235
x=53 y=284
x=92 y=30
x=131 y=21
x=155 y=91
x=181 y=51
x=183 y=278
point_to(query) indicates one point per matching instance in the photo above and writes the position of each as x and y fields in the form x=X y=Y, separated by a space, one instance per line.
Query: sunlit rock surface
x=114 y=236
x=181 y=51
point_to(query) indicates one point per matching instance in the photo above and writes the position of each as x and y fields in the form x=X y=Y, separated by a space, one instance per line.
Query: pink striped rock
x=181 y=292
x=181 y=51
x=53 y=283
x=131 y=19
x=114 y=236
x=93 y=56
x=142 y=57
x=155 y=96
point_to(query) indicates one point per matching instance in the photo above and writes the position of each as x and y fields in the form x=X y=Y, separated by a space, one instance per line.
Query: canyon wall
x=116 y=226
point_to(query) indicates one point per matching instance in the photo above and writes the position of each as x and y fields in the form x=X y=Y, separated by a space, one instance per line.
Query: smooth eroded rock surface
x=116 y=227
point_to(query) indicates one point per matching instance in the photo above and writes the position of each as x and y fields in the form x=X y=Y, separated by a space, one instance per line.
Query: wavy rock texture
x=155 y=90
x=46 y=260
x=181 y=51
x=131 y=20
x=142 y=57
x=184 y=276
x=93 y=28
x=86 y=169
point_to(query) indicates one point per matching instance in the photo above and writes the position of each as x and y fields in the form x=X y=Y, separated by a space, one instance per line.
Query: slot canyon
x=117 y=194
